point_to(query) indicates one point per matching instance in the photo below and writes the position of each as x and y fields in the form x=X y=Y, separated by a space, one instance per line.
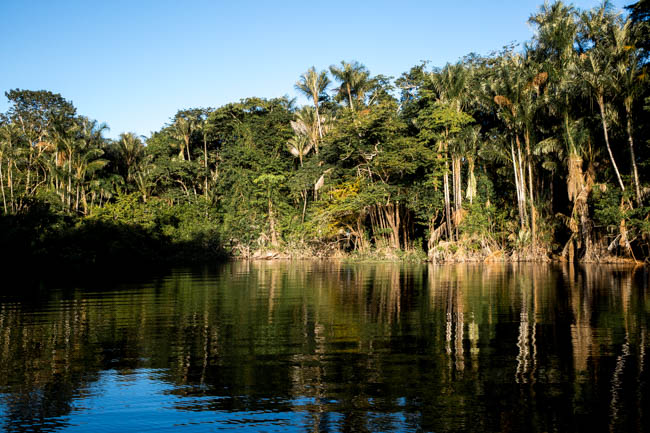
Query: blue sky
x=133 y=64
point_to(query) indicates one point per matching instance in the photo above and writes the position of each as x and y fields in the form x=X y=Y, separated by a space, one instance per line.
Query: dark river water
x=321 y=346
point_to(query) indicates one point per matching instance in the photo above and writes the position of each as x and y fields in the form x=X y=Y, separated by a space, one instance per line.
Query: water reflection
x=321 y=346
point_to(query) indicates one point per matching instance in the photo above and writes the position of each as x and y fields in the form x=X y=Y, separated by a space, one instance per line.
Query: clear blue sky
x=134 y=63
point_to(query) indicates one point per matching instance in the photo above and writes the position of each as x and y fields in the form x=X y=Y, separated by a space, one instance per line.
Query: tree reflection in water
x=337 y=347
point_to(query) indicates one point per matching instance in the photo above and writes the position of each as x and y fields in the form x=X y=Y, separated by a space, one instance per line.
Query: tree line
x=533 y=151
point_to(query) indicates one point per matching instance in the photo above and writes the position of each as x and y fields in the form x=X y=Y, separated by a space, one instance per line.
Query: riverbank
x=450 y=255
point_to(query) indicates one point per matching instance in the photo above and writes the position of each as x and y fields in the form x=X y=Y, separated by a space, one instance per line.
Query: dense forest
x=536 y=151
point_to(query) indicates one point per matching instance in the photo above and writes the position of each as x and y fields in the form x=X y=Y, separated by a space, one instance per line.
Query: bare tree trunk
x=450 y=234
x=391 y=212
x=350 y=96
x=533 y=211
x=187 y=148
x=630 y=141
x=10 y=180
x=76 y=206
x=70 y=183
x=522 y=219
x=320 y=129
x=458 y=192
x=471 y=181
x=2 y=186
x=29 y=169
x=205 y=165
x=522 y=180
x=455 y=167
x=601 y=104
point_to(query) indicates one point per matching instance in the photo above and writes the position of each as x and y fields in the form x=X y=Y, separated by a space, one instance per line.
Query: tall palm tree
x=517 y=85
x=65 y=139
x=554 y=46
x=507 y=85
x=450 y=87
x=597 y=65
x=629 y=76
x=354 y=79
x=312 y=84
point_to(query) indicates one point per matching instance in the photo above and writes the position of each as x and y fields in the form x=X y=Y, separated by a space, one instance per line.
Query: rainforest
x=538 y=151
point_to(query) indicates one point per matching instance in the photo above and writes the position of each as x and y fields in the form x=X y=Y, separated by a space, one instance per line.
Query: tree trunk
x=630 y=141
x=320 y=130
x=304 y=205
x=450 y=234
x=522 y=180
x=10 y=180
x=533 y=211
x=522 y=218
x=406 y=241
x=2 y=186
x=29 y=169
x=586 y=225
x=70 y=182
x=350 y=95
x=459 y=184
x=601 y=105
x=391 y=212
x=76 y=206
x=471 y=181
x=360 y=233
x=205 y=165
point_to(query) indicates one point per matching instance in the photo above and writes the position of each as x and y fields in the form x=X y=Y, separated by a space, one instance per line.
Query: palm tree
x=450 y=89
x=130 y=150
x=313 y=84
x=87 y=158
x=629 y=76
x=299 y=146
x=507 y=86
x=354 y=79
x=65 y=139
x=597 y=65
x=184 y=125
x=518 y=84
x=554 y=46
x=308 y=124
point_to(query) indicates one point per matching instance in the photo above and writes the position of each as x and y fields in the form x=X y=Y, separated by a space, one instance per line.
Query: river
x=326 y=346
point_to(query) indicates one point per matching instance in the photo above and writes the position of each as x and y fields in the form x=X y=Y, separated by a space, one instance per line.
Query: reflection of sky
x=141 y=401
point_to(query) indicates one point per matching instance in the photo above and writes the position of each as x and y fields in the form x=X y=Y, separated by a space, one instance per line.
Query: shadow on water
x=325 y=346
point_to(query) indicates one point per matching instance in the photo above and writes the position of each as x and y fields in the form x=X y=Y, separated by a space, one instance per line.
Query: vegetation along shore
x=538 y=151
